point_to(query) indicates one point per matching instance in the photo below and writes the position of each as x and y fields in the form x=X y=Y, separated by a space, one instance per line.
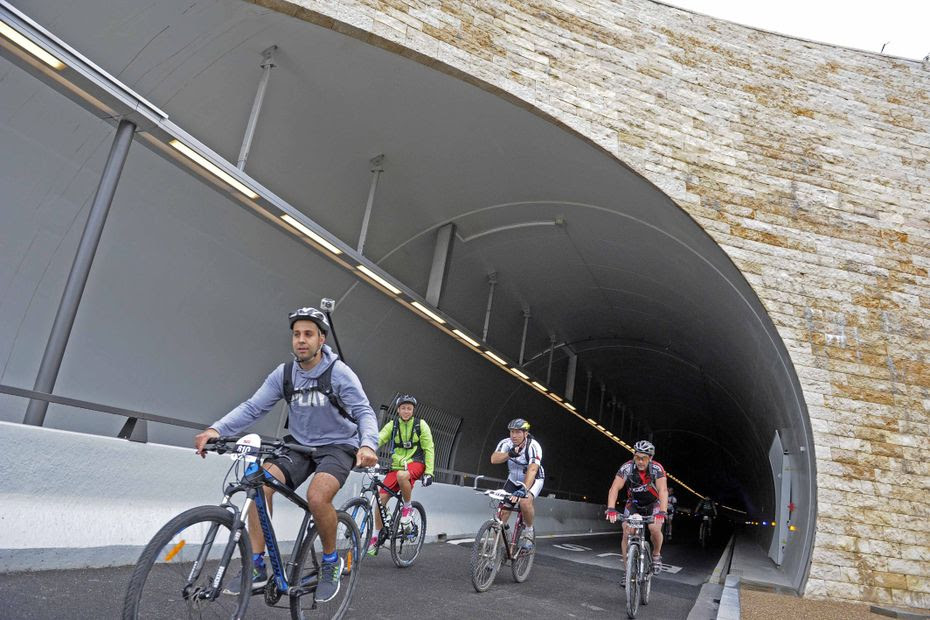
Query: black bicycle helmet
x=644 y=447
x=309 y=314
x=406 y=398
x=518 y=424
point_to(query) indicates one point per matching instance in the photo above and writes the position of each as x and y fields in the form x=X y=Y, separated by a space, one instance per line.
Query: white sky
x=867 y=25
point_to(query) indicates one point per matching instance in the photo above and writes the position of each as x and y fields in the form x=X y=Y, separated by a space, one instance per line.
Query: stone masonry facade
x=808 y=164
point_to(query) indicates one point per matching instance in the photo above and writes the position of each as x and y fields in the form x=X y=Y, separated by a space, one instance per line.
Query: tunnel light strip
x=15 y=37
x=314 y=236
x=428 y=312
x=495 y=358
x=462 y=335
x=519 y=373
x=203 y=162
x=371 y=274
x=539 y=386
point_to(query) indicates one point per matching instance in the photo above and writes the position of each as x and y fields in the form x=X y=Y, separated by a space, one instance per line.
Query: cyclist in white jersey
x=523 y=456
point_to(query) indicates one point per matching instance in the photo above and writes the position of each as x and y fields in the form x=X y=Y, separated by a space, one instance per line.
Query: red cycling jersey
x=641 y=485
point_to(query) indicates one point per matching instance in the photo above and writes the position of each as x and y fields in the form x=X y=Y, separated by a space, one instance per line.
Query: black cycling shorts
x=336 y=460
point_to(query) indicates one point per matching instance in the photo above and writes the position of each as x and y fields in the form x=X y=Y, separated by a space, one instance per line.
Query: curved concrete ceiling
x=604 y=261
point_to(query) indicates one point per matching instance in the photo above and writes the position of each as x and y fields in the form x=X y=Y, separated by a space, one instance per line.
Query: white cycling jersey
x=517 y=465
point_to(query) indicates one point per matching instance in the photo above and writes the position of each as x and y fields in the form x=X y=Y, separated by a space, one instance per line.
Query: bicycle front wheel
x=645 y=587
x=522 y=563
x=359 y=509
x=407 y=538
x=487 y=553
x=165 y=583
x=306 y=574
x=632 y=580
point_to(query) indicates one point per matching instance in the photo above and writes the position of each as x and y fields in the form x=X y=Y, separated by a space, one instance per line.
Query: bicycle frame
x=251 y=484
x=637 y=537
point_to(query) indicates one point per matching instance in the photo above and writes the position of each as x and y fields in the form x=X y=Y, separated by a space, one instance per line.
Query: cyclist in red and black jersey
x=646 y=493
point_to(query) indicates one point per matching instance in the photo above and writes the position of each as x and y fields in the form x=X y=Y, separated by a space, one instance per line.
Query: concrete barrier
x=72 y=500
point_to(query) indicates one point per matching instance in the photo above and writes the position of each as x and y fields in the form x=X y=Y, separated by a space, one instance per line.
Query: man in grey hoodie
x=342 y=438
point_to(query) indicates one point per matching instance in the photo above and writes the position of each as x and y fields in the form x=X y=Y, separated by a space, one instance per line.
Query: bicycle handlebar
x=222 y=445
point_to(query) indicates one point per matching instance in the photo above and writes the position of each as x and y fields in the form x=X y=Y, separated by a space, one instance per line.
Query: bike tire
x=487 y=554
x=522 y=563
x=304 y=575
x=703 y=535
x=632 y=581
x=645 y=588
x=359 y=509
x=405 y=548
x=169 y=558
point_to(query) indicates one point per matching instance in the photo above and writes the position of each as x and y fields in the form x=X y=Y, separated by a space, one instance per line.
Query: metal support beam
x=526 y=322
x=80 y=269
x=267 y=65
x=377 y=167
x=492 y=282
x=587 y=393
x=570 y=376
x=442 y=257
x=551 y=353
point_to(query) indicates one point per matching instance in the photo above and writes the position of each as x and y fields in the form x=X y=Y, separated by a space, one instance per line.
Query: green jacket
x=422 y=450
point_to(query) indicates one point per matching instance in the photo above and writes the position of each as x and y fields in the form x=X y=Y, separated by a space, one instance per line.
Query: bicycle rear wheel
x=407 y=540
x=703 y=534
x=487 y=553
x=359 y=509
x=304 y=577
x=632 y=580
x=163 y=584
x=522 y=563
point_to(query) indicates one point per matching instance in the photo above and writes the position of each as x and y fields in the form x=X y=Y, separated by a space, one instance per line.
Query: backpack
x=395 y=435
x=324 y=384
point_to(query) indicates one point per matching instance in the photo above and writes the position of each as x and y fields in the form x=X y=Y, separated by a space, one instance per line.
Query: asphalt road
x=573 y=577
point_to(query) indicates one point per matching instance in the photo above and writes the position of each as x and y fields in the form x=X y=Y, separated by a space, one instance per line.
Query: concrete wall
x=72 y=500
x=810 y=166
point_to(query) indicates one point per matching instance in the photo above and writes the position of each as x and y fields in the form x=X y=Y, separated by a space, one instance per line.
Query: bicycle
x=182 y=570
x=638 y=578
x=491 y=548
x=704 y=533
x=406 y=539
x=667 y=527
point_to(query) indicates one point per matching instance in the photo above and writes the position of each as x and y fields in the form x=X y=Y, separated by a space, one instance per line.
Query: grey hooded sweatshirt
x=314 y=421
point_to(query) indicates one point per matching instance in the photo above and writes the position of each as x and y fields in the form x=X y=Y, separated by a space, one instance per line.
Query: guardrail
x=449 y=476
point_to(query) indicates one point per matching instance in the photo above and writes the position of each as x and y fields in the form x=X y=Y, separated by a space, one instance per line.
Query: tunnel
x=559 y=258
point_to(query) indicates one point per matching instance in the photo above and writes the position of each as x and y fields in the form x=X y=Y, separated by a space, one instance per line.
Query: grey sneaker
x=328 y=583
x=656 y=564
x=259 y=579
x=527 y=541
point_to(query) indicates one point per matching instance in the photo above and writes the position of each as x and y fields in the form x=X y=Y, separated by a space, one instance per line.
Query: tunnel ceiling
x=604 y=261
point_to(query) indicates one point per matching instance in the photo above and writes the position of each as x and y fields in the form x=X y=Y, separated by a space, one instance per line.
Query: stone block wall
x=808 y=164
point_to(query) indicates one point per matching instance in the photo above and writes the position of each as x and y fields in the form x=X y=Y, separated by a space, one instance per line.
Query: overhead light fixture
x=556 y=398
x=314 y=236
x=592 y=422
x=213 y=168
x=519 y=373
x=495 y=358
x=465 y=337
x=599 y=427
x=371 y=274
x=13 y=35
x=569 y=406
x=428 y=312
x=539 y=386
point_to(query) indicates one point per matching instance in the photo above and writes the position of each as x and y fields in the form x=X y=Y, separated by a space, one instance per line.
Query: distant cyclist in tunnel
x=523 y=456
x=327 y=410
x=412 y=456
x=707 y=508
x=646 y=493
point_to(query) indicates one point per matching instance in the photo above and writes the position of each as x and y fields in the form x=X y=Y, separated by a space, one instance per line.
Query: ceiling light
x=17 y=38
x=569 y=406
x=213 y=168
x=592 y=422
x=495 y=358
x=314 y=236
x=465 y=337
x=371 y=274
x=519 y=373
x=428 y=312
x=539 y=386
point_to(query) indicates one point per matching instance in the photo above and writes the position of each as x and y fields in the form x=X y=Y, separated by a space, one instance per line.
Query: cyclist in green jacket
x=412 y=457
